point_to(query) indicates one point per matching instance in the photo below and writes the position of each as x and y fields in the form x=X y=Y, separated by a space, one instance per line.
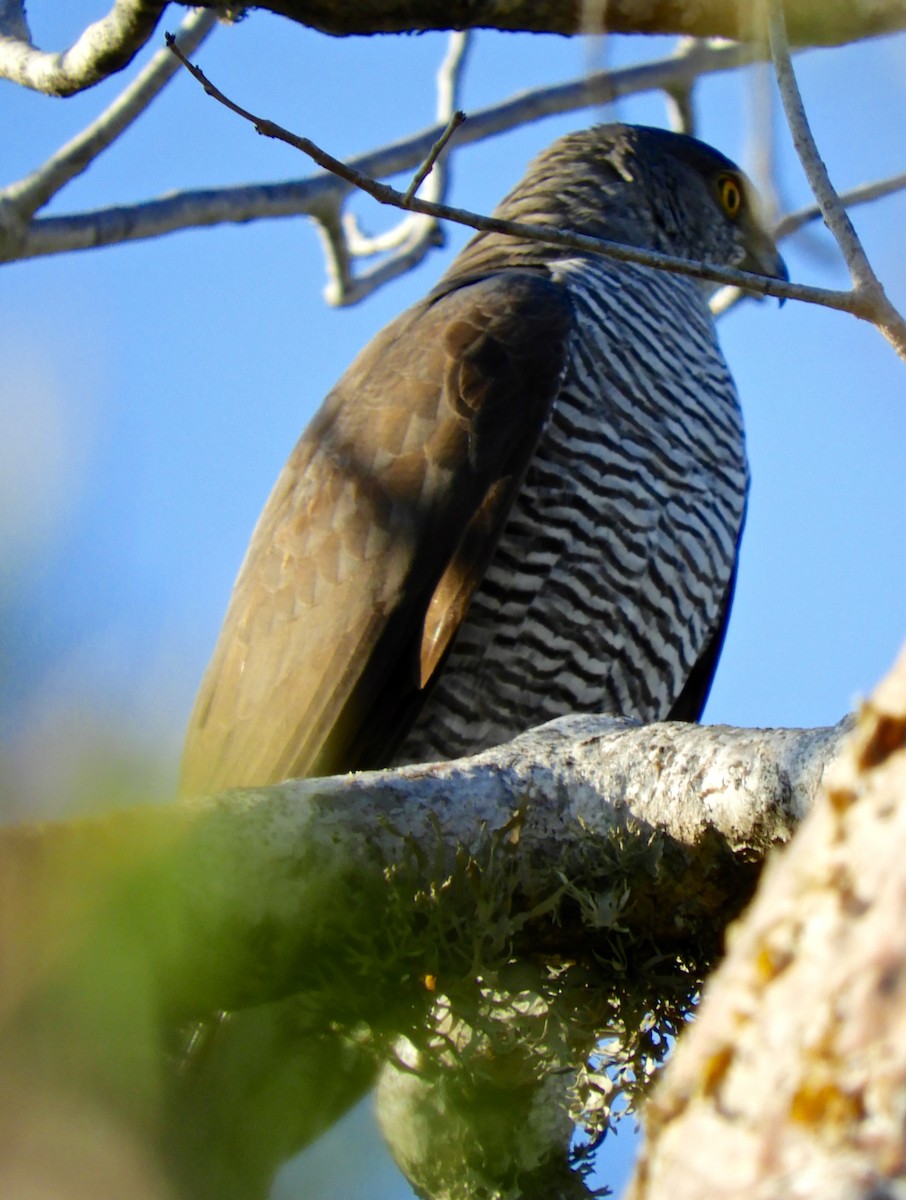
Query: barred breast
x=615 y=568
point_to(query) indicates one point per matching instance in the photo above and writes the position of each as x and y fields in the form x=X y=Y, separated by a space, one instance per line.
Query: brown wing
x=378 y=531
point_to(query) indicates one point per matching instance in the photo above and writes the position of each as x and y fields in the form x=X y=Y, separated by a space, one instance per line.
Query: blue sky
x=149 y=393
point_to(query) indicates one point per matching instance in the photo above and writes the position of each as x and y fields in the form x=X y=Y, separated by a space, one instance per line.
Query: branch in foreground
x=792 y=1080
x=190 y=890
x=195 y=209
x=103 y=48
x=852 y=302
x=591 y=864
x=866 y=285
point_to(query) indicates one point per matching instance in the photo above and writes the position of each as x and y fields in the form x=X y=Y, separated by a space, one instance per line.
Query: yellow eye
x=730 y=195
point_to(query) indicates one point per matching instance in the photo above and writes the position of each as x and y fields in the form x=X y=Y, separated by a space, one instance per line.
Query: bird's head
x=650 y=188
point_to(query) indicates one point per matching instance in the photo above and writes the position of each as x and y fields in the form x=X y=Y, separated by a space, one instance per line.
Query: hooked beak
x=763 y=258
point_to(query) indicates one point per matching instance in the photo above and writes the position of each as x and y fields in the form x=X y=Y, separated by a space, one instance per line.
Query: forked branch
x=104 y=47
x=867 y=288
x=852 y=301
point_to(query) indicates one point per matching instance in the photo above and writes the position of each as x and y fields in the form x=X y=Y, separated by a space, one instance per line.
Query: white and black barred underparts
x=613 y=570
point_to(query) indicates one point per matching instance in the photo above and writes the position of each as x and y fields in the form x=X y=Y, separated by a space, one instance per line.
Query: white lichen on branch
x=711 y=800
x=529 y=909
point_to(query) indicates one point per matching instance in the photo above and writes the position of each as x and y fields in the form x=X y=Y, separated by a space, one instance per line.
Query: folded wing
x=376 y=535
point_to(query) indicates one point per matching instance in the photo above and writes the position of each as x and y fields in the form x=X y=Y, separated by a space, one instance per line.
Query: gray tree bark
x=497 y=914
x=792 y=1080
x=686 y=810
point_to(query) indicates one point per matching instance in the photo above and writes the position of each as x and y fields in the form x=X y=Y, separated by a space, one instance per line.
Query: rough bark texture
x=246 y=896
x=792 y=1081
x=511 y=902
x=372 y=897
x=830 y=22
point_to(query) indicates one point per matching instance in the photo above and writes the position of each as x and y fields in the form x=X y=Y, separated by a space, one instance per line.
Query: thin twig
x=266 y=201
x=877 y=190
x=835 y=215
x=407 y=243
x=33 y=192
x=433 y=155
x=727 y=298
x=866 y=285
x=102 y=48
x=384 y=194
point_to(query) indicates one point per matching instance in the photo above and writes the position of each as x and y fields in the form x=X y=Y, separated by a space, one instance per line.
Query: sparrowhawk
x=523 y=498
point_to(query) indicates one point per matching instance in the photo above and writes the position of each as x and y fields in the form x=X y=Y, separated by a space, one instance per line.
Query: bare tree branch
x=865 y=192
x=853 y=302
x=827 y=23
x=109 y=44
x=761 y=155
x=34 y=191
x=106 y=46
x=680 y=109
x=833 y=212
x=317 y=195
x=866 y=285
x=322 y=196
x=412 y=238
x=207 y=877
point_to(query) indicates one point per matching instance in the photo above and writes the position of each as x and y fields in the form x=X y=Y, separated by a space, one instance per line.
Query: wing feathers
x=379 y=529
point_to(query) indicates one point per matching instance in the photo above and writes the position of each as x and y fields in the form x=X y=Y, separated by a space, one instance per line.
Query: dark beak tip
x=783 y=274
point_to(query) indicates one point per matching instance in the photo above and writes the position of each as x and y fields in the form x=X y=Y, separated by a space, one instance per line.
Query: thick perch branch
x=254 y=894
x=109 y=44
